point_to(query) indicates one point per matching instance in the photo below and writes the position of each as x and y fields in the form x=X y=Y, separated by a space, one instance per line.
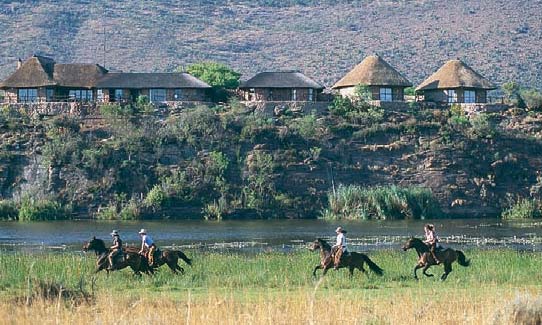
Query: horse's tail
x=372 y=265
x=461 y=259
x=184 y=257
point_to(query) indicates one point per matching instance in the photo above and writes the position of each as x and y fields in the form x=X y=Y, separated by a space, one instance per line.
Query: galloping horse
x=135 y=261
x=426 y=260
x=354 y=261
x=168 y=257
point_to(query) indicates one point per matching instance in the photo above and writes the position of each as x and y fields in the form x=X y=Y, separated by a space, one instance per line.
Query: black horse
x=426 y=260
x=135 y=261
x=354 y=261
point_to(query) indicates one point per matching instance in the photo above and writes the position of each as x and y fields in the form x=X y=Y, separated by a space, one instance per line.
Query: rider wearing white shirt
x=340 y=247
x=147 y=245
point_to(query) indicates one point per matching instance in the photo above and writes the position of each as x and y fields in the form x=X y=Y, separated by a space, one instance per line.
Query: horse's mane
x=324 y=244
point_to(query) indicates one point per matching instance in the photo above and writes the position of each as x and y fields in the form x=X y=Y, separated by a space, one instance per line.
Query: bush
x=8 y=210
x=41 y=210
x=482 y=127
x=156 y=198
x=532 y=98
x=524 y=209
x=387 y=202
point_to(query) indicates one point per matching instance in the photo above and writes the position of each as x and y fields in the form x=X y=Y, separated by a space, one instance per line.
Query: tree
x=219 y=76
x=532 y=98
x=511 y=92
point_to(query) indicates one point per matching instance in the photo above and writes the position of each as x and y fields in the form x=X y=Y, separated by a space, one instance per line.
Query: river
x=265 y=235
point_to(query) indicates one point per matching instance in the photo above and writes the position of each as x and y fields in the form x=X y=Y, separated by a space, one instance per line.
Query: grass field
x=271 y=288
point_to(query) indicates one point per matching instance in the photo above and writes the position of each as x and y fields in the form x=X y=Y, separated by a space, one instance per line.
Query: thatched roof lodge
x=455 y=82
x=41 y=79
x=280 y=86
x=384 y=82
x=158 y=87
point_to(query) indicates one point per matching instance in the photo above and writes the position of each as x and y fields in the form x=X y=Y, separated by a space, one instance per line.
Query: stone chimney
x=19 y=63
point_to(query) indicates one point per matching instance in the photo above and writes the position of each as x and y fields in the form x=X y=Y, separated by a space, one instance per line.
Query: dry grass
x=408 y=306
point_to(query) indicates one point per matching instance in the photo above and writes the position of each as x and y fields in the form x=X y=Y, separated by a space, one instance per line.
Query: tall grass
x=34 y=210
x=524 y=209
x=382 y=202
x=267 y=288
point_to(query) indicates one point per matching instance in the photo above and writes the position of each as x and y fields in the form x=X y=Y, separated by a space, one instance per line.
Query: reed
x=382 y=202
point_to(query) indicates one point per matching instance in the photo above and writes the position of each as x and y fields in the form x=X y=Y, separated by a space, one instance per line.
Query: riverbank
x=267 y=287
x=233 y=162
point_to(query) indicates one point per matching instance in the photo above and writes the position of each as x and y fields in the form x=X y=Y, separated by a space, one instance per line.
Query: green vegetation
x=266 y=287
x=524 y=209
x=385 y=203
x=532 y=98
x=35 y=210
x=238 y=272
x=217 y=75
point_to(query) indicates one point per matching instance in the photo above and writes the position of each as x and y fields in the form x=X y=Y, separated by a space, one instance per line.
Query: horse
x=168 y=257
x=354 y=261
x=426 y=260
x=135 y=261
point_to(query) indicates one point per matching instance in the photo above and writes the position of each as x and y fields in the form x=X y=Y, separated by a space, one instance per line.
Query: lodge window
x=294 y=95
x=386 y=95
x=311 y=94
x=100 y=95
x=49 y=93
x=119 y=95
x=251 y=94
x=81 y=95
x=157 y=95
x=451 y=95
x=27 y=95
x=178 y=94
x=270 y=97
x=470 y=96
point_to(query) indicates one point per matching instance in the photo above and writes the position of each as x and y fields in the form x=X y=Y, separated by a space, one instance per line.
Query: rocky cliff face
x=283 y=166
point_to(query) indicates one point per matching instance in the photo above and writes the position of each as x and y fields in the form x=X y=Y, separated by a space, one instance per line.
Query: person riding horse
x=431 y=240
x=147 y=246
x=339 y=249
x=116 y=250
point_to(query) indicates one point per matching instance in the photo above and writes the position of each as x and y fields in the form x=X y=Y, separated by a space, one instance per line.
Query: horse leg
x=351 y=269
x=426 y=267
x=319 y=266
x=326 y=267
x=447 y=270
x=418 y=266
x=172 y=267
x=180 y=269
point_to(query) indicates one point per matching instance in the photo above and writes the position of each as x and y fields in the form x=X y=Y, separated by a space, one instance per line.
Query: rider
x=147 y=245
x=339 y=249
x=116 y=249
x=431 y=239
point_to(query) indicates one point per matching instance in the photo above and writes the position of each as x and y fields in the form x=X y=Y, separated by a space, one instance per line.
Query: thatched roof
x=40 y=71
x=78 y=75
x=34 y=72
x=373 y=71
x=280 y=79
x=455 y=74
x=150 y=80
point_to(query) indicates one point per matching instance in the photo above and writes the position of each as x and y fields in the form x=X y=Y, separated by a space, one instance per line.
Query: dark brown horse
x=426 y=260
x=168 y=257
x=354 y=261
x=133 y=260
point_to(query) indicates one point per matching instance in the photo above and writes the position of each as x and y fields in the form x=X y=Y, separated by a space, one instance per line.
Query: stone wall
x=271 y=109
